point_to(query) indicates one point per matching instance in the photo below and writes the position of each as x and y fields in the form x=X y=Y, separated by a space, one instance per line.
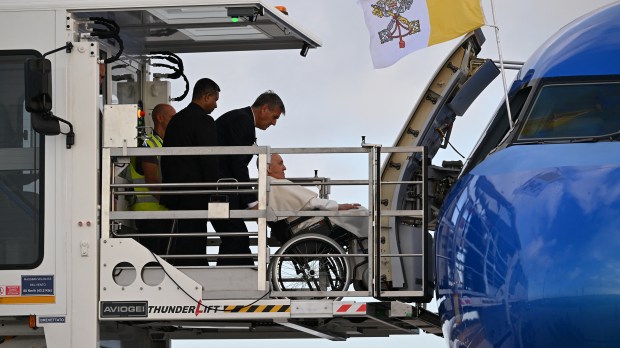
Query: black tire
x=316 y=271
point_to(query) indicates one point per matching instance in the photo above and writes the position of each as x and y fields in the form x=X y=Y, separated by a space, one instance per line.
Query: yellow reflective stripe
x=27 y=299
x=147 y=202
x=281 y=308
x=257 y=309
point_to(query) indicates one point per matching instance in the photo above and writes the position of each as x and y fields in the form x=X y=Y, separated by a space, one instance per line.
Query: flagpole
x=501 y=65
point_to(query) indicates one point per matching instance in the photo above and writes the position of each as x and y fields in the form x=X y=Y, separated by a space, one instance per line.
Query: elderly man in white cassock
x=299 y=198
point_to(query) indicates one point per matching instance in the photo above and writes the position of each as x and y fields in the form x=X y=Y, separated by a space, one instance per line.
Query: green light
x=235 y=19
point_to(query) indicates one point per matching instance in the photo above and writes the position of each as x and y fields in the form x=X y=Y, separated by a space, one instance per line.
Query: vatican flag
x=399 y=27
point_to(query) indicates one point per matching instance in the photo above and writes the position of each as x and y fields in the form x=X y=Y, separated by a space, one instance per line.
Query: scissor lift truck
x=77 y=83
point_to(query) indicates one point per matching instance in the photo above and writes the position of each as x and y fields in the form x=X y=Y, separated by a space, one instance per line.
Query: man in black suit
x=237 y=128
x=191 y=127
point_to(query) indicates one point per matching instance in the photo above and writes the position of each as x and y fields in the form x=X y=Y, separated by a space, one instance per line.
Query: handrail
x=260 y=185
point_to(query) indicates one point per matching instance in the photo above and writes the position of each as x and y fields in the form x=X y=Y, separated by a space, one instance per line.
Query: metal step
x=426 y=321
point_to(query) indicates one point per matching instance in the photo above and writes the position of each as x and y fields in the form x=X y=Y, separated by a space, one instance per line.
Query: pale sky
x=334 y=96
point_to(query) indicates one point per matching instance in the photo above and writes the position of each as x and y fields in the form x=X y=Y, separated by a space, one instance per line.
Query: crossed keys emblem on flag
x=399 y=26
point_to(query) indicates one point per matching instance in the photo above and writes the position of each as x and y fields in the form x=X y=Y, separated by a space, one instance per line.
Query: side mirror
x=38 y=78
x=46 y=124
x=38 y=96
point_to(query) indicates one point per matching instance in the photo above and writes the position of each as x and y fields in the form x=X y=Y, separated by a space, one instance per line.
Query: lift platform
x=143 y=289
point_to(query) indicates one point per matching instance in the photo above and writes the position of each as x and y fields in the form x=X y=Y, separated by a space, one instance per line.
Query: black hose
x=111 y=32
x=178 y=71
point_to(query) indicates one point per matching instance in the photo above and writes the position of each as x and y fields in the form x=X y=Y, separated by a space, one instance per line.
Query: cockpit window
x=574 y=111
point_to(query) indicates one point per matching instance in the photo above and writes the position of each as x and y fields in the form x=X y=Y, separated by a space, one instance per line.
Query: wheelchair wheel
x=306 y=263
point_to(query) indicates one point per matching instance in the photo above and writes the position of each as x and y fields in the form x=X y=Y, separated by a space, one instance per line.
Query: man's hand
x=348 y=206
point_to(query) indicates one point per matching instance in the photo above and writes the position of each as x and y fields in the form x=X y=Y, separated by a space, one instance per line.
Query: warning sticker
x=9 y=290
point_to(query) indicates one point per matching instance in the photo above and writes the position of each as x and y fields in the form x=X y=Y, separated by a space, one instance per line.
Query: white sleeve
x=288 y=197
x=321 y=204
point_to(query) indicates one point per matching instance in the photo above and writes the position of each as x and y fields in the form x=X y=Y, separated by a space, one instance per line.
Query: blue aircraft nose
x=528 y=249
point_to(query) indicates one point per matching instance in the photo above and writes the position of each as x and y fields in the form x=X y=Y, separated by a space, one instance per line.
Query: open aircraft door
x=411 y=189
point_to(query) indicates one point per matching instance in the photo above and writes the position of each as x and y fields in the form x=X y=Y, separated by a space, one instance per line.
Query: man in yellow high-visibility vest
x=147 y=170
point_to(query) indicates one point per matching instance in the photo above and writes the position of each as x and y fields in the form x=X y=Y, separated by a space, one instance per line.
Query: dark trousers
x=189 y=245
x=155 y=244
x=233 y=245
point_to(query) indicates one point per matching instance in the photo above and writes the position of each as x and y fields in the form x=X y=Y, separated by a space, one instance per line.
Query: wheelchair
x=310 y=258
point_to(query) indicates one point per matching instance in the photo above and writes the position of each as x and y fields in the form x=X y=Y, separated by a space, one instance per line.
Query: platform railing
x=112 y=190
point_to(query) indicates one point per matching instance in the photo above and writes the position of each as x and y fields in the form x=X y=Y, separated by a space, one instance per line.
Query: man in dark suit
x=237 y=128
x=191 y=127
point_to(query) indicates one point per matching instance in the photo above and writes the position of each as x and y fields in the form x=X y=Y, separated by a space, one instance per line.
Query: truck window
x=21 y=167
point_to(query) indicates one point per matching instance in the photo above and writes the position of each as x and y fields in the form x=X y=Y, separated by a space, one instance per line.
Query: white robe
x=299 y=198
